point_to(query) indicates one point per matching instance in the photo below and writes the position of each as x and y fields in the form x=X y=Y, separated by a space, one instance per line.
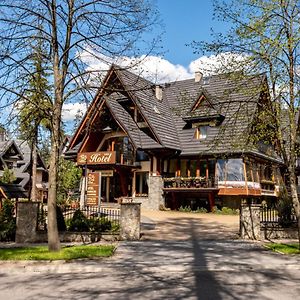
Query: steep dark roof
x=156 y=112
x=231 y=102
x=235 y=101
x=138 y=137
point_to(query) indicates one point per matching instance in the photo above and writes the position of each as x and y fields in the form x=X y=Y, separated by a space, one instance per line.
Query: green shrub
x=185 y=209
x=201 y=210
x=7 y=221
x=229 y=211
x=61 y=225
x=79 y=222
x=224 y=211
x=99 y=224
x=115 y=226
x=215 y=210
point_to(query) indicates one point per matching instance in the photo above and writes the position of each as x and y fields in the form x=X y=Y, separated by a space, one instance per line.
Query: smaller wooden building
x=184 y=143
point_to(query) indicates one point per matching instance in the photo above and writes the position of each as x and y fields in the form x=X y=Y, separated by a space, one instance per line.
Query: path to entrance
x=181 y=256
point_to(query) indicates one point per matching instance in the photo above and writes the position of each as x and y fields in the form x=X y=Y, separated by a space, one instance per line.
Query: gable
x=203 y=101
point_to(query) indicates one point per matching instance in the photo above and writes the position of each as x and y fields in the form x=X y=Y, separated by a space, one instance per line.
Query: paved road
x=203 y=264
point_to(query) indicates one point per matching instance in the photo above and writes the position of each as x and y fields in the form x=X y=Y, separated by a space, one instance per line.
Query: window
x=200 y=133
x=141 y=184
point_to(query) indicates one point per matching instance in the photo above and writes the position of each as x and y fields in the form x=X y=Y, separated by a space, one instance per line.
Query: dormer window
x=201 y=132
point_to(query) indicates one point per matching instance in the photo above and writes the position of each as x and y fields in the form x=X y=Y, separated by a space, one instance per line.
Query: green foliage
x=100 y=224
x=189 y=209
x=7 y=221
x=201 y=210
x=284 y=248
x=115 y=226
x=79 y=222
x=8 y=176
x=35 y=106
x=225 y=211
x=68 y=181
x=185 y=209
x=284 y=207
x=66 y=253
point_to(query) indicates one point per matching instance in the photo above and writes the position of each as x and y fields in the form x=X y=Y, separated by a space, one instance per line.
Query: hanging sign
x=96 y=158
x=92 y=192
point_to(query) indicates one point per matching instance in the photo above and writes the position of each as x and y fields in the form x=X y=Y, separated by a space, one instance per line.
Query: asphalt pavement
x=193 y=261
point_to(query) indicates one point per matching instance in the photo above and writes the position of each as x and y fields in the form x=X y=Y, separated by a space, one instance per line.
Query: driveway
x=181 y=256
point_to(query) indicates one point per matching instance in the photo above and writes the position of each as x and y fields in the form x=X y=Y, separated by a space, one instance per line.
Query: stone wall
x=278 y=233
x=250 y=221
x=27 y=216
x=250 y=226
x=77 y=237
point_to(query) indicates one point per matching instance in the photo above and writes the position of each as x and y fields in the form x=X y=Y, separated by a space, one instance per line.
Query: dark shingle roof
x=236 y=105
x=156 y=112
x=138 y=137
x=233 y=102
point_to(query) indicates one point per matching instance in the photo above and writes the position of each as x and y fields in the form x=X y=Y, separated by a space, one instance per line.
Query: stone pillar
x=27 y=217
x=155 y=198
x=250 y=220
x=130 y=221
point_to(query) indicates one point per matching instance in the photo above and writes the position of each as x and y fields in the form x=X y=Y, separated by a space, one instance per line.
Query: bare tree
x=69 y=29
x=266 y=35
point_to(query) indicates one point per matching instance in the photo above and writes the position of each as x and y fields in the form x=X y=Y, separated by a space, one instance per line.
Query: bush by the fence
x=61 y=224
x=99 y=224
x=7 y=221
x=79 y=222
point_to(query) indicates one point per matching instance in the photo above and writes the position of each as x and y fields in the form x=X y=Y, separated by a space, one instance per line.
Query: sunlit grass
x=284 y=248
x=66 y=253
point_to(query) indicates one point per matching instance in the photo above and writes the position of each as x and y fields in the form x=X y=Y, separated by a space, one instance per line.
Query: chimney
x=158 y=92
x=198 y=76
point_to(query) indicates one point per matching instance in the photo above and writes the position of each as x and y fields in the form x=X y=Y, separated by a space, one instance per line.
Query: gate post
x=250 y=220
x=130 y=221
x=27 y=217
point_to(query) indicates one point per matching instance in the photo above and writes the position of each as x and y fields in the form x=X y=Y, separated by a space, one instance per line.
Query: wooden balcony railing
x=188 y=182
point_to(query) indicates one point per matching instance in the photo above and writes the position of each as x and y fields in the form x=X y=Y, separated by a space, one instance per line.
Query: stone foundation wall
x=279 y=233
x=77 y=237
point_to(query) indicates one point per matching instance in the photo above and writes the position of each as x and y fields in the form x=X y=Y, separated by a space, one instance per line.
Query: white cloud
x=72 y=110
x=154 y=68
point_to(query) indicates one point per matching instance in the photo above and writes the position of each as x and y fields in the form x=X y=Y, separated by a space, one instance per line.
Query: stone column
x=155 y=198
x=27 y=216
x=250 y=220
x=130 y=221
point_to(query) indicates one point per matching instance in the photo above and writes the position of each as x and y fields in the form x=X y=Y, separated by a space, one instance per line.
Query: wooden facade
x=168 y=149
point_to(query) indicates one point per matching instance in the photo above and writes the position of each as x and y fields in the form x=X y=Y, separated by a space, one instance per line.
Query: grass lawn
x=66 y=253
x=284 y=248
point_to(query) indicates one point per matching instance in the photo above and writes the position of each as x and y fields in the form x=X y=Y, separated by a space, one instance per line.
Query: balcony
x=188 y=183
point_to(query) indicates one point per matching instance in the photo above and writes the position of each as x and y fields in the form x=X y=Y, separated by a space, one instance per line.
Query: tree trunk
x=33 y=172
x=295 y=200
x=53 y=236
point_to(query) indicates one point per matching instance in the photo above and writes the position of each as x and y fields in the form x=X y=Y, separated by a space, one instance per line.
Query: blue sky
x=185 y=21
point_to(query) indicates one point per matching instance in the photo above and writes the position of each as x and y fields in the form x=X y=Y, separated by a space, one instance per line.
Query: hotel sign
x=96 y=158
x=92 y=192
